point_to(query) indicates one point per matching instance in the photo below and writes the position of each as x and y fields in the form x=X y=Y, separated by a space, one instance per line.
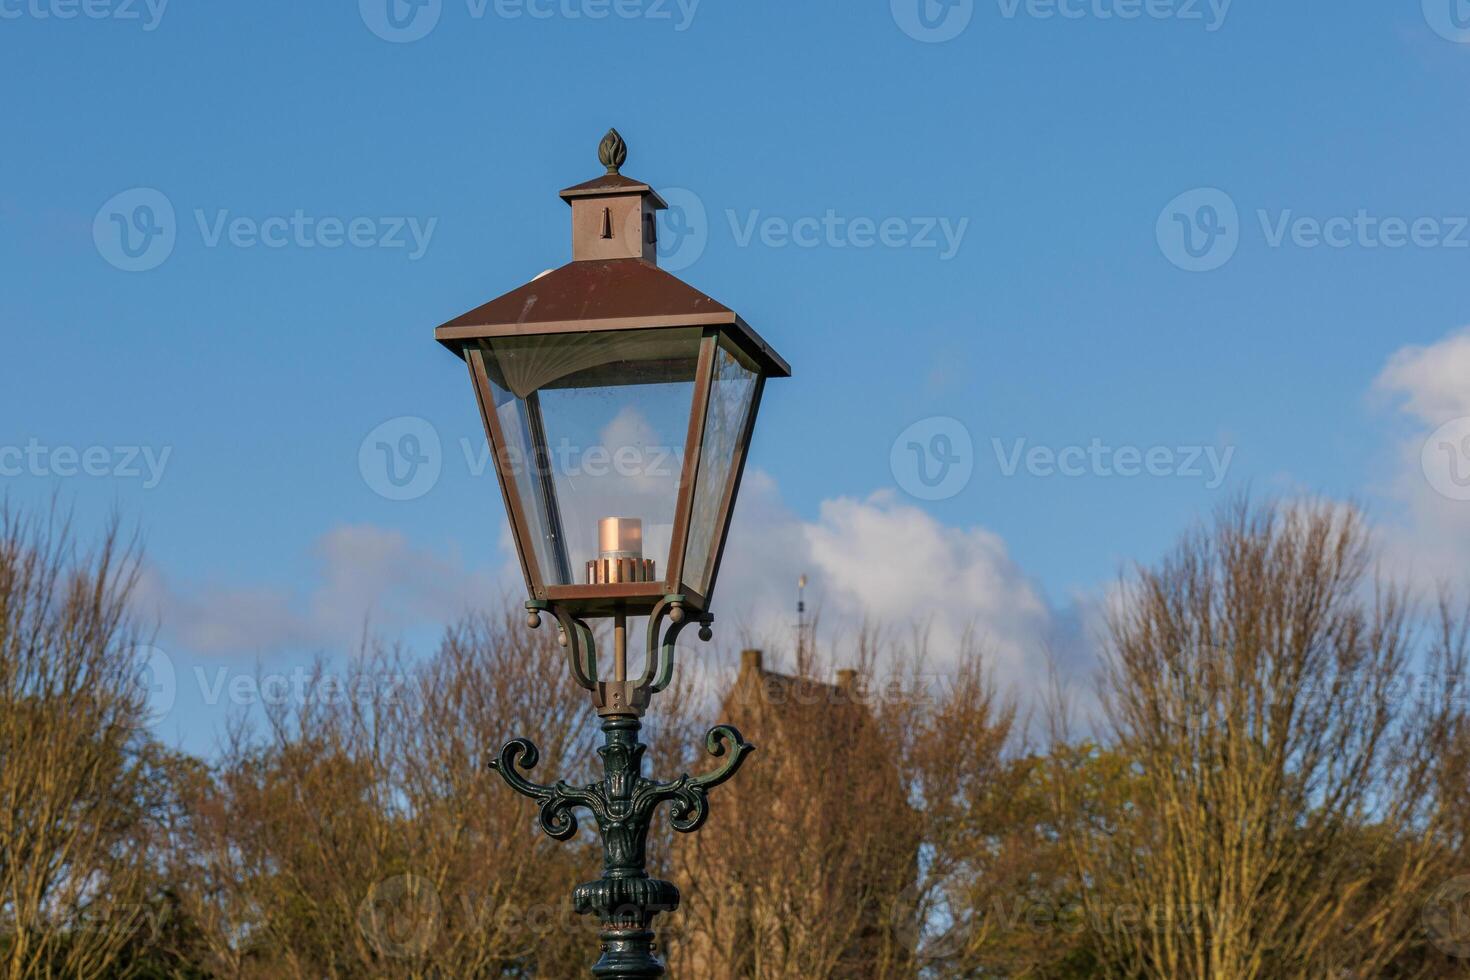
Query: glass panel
x=595 y=427
x=730 y=396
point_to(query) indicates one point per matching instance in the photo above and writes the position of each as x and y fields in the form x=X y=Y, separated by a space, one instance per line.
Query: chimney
x=614 y=217
x=751 y=660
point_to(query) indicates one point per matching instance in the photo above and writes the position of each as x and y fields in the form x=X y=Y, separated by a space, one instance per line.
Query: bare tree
x=854 y=840
x=71 y=707
x=1279 y=788
x=1283 y=723
x=994 y=891
x=359 y=834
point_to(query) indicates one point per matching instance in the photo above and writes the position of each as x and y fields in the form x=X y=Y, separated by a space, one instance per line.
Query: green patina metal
x=612 y=152
x=625 y=899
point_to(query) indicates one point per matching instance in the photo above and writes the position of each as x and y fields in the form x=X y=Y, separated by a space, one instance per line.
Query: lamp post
x=613 y=358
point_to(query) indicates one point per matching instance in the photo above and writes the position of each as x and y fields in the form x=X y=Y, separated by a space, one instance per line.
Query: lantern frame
x=613 y=284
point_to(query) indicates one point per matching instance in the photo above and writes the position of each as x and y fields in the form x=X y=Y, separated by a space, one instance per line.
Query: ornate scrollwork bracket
x=623 y=696
x=625 y=899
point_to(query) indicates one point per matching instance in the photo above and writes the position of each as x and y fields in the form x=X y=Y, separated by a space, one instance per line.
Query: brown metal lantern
x=619 y=403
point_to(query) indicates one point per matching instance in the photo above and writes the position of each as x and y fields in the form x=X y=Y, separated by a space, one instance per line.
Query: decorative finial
x=612 y=151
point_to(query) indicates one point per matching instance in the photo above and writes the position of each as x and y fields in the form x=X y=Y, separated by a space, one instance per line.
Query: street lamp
x=619 y=403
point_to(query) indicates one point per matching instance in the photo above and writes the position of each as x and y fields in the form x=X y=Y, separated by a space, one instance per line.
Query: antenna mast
x=801 y=619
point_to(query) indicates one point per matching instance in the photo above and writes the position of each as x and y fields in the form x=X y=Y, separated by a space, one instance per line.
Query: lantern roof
x=613 y=281
x=613 y=294
x=610 y=185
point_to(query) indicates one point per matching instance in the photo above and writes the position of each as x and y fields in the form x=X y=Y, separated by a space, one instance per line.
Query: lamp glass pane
x=595 y=426
x=732 y=390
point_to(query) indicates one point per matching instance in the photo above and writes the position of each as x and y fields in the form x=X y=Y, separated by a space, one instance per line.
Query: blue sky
x=1037 y=173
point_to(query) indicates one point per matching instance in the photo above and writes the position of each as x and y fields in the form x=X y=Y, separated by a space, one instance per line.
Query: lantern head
x=619 y=403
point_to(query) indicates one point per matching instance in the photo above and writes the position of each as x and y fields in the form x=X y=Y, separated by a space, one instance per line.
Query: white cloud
x=365 y=577
x=369 y=573
x=1432 y=380
x=880 y=560
x=221 y=619
x=885 y=561
x=1431 y=386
